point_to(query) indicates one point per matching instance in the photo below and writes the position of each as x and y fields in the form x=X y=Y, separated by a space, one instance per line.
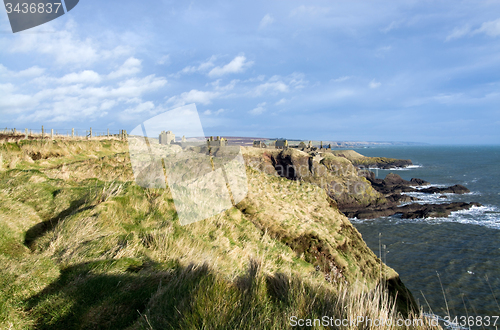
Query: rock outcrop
x=393 y=187
x=357 y=193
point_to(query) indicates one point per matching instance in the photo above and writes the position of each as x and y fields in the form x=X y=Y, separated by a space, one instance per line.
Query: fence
x=66 y=133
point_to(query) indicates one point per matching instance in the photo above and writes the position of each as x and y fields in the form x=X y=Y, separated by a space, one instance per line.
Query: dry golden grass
x=104 y=252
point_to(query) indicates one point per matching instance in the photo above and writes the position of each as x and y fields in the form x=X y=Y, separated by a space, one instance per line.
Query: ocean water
x=451 y=265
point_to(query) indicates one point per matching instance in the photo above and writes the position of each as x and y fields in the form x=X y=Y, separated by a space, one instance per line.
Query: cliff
x=85 y=247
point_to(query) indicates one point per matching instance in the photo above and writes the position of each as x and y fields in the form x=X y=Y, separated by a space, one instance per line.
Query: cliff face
x=296 y=198
x=83 y=243
x=335 y=174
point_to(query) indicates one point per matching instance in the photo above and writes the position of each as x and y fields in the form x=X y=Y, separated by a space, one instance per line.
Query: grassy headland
x=84 y=247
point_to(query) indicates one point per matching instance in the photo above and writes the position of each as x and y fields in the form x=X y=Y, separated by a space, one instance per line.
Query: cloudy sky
x=421 y=71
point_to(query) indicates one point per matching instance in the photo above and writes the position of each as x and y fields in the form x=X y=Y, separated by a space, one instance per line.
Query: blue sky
x=421 y=71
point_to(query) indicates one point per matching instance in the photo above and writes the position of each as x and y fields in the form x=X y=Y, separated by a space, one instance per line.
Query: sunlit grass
x=85 y=247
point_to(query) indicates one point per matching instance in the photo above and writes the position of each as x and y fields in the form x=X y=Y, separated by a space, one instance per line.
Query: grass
x=85 y=247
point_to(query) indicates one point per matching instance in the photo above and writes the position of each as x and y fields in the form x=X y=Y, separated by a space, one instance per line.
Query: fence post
x=25 y=133
x=91 y=132
x=42 y=132
x=108 y=133
x=51 y=133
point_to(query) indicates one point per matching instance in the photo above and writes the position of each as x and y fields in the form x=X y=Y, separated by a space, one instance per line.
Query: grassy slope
x=84 y=247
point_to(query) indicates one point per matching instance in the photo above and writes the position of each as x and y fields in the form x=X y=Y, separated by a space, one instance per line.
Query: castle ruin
x=218 y=142
x=167 y=137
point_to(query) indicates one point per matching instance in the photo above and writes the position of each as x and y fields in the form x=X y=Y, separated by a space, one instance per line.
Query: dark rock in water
x=400 y=198
x=456 y=189
x=415 y=211
x=412 y=211
x=419 y=182
x=392 y=184
x=393 y=187
x=392 y=179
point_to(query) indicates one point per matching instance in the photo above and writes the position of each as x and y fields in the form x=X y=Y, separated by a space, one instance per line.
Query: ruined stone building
x=281 y=144
x=218 y=142
x=259 y=144
x=167 y=137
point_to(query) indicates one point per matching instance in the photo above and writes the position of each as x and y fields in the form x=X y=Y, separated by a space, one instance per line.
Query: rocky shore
x=393 y=188
x=345 y=177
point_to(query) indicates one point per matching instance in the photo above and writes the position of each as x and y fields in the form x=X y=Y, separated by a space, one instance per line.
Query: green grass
x=86 y=248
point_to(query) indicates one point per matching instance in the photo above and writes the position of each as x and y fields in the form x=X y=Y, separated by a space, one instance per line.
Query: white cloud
x=282 y=101
x=84 y=77
x=142 y=107
x=382 y=51
x=78 y=101
x=216 y=85
x=238 y=64
x=34 y=71
x=309 y=11
x=277 y=86
x=491 y=29
x=259 y=109
x=341 y=79
x=393 y=25
x=131 y=67
x=374 y=84
x=64 y=46
x=193 y=96
x=266 y=20
x=164 y=60
x=459 y=32
x=108 y=104
x=135 y=87
x=203 y=67
x=13 y=102
x=210 y=112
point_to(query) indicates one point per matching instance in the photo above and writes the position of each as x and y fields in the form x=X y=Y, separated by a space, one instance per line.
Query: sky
x=416 y=71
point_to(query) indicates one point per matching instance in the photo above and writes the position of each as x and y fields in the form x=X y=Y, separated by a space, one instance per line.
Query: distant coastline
x=248 y=141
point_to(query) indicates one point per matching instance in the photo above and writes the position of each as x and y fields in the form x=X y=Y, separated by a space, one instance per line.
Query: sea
x=451 y=265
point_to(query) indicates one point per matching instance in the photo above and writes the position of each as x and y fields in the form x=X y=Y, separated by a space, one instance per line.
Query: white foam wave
x=424 y=198
x=487 y=216
x=406 y=168
x=476 y=210
x=437 y=185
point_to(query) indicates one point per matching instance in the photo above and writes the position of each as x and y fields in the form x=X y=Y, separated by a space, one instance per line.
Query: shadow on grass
x=135 y=294
x=41 y=228
x=110 y=294
x=130 y=293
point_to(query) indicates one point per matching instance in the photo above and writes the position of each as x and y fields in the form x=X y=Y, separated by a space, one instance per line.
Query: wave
x=407 y=168
x=437 y=185
x=486 y=216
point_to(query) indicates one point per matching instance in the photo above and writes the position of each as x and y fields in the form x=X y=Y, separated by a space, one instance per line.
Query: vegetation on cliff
x=85 y=247
x=361 y=161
